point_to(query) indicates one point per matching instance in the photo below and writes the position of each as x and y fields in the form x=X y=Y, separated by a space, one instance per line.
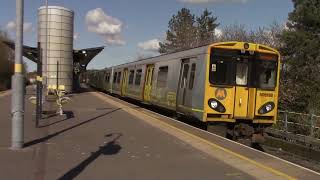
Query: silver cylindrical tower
x=59 y=44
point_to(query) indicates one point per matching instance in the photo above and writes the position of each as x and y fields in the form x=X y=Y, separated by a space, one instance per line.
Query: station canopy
x=81 y=57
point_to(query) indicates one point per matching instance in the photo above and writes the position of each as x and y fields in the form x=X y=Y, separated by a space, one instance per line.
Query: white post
x=45 y=60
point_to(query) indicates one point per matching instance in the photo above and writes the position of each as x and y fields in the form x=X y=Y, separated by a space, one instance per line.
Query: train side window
x=119 y=77
x=115 y=77
x=107 y=77
x=184 y=76
x=131 y=76
x=138 y=77
x=162 y=77
x=192 y=75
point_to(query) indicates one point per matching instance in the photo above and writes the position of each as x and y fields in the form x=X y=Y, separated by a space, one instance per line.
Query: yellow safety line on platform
x=267 y=168
x=18 y=68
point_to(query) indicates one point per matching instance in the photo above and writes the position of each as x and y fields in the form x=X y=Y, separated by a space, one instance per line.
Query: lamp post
x=18 y=87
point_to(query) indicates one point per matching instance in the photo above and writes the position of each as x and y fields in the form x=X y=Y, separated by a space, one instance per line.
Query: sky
x=132 y=28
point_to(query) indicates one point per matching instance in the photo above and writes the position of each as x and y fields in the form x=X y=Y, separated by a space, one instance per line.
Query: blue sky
x=140 y=21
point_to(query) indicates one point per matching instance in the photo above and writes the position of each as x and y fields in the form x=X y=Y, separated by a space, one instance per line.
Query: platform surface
x=102 y=137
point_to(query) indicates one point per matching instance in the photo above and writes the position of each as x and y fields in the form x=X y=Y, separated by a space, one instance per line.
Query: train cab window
x=119 y=77
x=221 y=71
x=265 y=74
x=115 y=77
x=242 y=74
x=192 y=75
x=222 y=66
x=138 y=77
x=162 y=77
x=131 y=76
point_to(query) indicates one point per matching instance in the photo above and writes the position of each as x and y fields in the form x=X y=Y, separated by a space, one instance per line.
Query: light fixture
x=267 y=107
x=216 y=105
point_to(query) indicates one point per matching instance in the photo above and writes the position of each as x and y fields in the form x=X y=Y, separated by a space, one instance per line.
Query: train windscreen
x=264 y=71
x=231 y=67
x=222 y=67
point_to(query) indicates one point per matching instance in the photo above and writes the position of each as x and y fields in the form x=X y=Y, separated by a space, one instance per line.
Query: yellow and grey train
x=230 y=86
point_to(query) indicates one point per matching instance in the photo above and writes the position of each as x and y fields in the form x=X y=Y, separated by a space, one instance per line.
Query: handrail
x=304 y=114
x=298 y=123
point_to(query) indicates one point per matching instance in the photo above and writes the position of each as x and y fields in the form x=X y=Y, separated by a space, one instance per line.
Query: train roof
x=174 y=55
x=191 y=53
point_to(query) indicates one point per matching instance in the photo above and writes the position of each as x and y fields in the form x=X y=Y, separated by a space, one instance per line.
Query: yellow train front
x=242 y=88
x=230 y=86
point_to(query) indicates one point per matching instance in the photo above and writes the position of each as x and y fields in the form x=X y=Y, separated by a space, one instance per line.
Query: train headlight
x=216 y=105
x=267 y=107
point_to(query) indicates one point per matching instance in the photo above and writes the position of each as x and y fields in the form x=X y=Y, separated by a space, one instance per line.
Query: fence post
x=286 y=121
x=311 y=126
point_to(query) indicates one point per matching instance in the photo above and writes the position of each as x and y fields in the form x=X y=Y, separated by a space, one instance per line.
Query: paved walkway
x=98 y=140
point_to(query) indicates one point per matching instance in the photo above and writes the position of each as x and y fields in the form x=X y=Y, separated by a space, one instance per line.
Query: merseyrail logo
x=221 y=93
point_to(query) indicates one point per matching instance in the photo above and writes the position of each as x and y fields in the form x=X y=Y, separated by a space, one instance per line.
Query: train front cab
x=241 y=89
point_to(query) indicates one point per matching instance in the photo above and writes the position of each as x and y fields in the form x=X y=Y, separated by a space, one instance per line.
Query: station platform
x=103 y=137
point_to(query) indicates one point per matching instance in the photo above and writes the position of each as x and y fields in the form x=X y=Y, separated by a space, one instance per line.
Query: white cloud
x=145 y=54
x=217 y=32
x=150 y=45
x=115 y=39
x=212 y=1
x=104 y=25
x=11 y=27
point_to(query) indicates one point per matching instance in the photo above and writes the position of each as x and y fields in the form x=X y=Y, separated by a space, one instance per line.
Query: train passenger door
x=148 y=82
x=124 y=84
x=184 y=93
x=241 y=90
x=112 y=80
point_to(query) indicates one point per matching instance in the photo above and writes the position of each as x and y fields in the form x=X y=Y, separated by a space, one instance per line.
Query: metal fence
x=298 y=123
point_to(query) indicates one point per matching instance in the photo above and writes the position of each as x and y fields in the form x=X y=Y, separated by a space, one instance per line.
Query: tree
x=187 y=31
x=266 y=35
x=269 y=35
x=234 y=32
x=180 y=34
x=301 y=42
x=206 y=25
